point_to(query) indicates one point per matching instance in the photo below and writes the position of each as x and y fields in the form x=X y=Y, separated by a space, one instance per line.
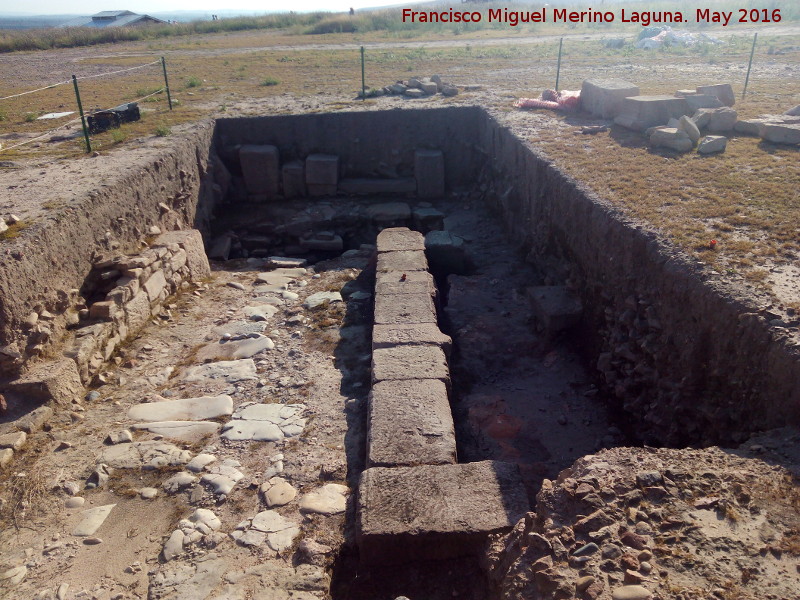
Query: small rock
x=583 y=583
x=74 y=502
x=330 y=499
x=6 y=456
x=631 y=592
x=236 y=285
x=315 y=300
x=148 y=493
x=173 y=546
x=14 y=576
x=15 y=440
x=123 y=436
x=712 y=143
x=92 y=541
x=278 y=492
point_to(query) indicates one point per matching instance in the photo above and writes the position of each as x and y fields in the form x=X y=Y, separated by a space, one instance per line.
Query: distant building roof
x=112 y=18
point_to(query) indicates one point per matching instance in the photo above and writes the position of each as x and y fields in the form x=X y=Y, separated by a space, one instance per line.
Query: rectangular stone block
x=105 y=310
x=409 y=362
x=410 y=424
x=322 y=169
x=155 y=285
x=192 y=242
x=260 y=170
x=556 y=308
x=356 y=187
x=399 y=238
x=404 y=309
x=641 y=112
x=429 y=173
x=603 y=97
x=294 y=179
x=56 y=381
x=137 y=312
x=426 y=334
x=393 y=282
x=435 y=512
x=403 y=261
x=723 y=91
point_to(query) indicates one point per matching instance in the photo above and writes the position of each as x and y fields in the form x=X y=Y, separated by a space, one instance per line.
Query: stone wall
x=690 y=359
x=415 y=502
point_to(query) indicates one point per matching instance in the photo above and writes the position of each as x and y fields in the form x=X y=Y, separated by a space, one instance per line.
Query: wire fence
x=27 y=115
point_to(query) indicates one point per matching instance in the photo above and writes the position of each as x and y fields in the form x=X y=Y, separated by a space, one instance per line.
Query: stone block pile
x=676 y=122
x=415 y=501
x=416 y=87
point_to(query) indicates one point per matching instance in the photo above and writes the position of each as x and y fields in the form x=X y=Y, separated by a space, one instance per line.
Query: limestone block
x=410 y=424
x=434 y=512
x=402 y=261
x=260 y=170
x=603 y=97
x=322 y=174
x=294 y=183
x=406 y=309
x=712 y=144
x=640 y=112
x=409 y=362
x=56 y=381
x=399 y=238
x=723 y=91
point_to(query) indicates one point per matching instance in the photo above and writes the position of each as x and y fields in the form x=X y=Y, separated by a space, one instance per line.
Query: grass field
x=747 y=199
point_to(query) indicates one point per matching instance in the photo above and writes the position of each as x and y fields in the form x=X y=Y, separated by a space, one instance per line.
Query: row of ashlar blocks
x=266 y=179
x=415 y=502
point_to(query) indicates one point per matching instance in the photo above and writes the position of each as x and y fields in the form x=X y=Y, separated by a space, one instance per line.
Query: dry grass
x=25 y=497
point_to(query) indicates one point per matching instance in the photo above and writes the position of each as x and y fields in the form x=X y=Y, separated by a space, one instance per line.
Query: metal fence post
x=558 y=68
x=363 y=81
x=166 y=81
x=83 y=119
x=750 y=64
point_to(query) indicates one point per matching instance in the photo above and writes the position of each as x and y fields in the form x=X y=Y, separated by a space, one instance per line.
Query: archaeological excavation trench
x=497 y=322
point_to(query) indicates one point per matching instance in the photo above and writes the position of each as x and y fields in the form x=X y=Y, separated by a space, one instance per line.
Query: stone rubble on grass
x=330 y=499
x=415 y=87
x=712 y=143
x=265 y=422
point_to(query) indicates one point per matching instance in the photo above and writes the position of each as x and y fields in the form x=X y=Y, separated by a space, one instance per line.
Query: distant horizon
x=90 y=7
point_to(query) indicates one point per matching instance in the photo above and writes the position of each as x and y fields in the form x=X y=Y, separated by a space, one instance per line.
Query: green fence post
x=166 y=81
x=363 y=81
x=83 y=119
x=750 y=64
x=558 y=68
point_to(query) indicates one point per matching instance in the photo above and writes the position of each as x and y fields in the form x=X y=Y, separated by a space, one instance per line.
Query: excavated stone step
x=409 y=362
x=434 y=512
x=410 y=424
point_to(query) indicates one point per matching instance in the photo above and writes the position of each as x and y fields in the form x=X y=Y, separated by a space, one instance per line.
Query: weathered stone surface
x=404 y=309
x=235 y=349
x=315 y=300
x=386 y=336
x=57 y=381
x=688 y=126
x=399 y=238
x=672 y=138
x=723 y=91
x=640 y=112
x=35 y=420
x=603 y=97
x=260 y=170
x=322 y=174
x=435 y=511
x=748 y=126
x=192 y=243
x=447 y=253
x=429 y=173
x=229 y=370
x=137 y=311
x=409 y=362
x=402 y=261
x=402 y=185
x=148 y=455
x=278 y=492
x=780 y=133
x=186 y=409
x=6 y=456
x=715 y=119
x=631 y=592
x=410 y=423
x=427 y=219
x=402 y=282
x=294 y=179
x=712 y=144
x=696 y=101
x=330 y=499
x=93 y=518
x=15 y=440
x=556 y=308
x=389 y=214
x=180 y=430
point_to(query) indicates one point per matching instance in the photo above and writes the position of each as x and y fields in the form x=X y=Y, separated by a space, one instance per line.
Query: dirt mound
x=660 y=523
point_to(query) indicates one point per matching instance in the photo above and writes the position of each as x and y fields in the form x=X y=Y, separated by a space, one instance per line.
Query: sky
x=87 y=7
